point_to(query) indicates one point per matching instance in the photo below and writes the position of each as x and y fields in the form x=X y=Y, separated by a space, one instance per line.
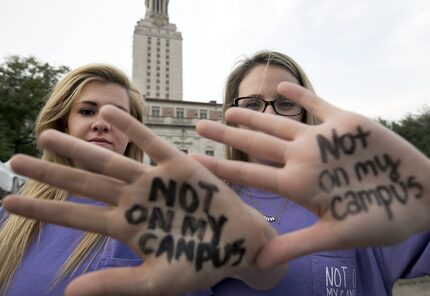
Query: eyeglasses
x=282 y=106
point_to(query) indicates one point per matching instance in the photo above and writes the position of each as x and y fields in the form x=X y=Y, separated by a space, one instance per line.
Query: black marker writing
x=379 y=164
x=399 y=189
x=385 y=196
x=192 y=225
x=190 y=250
x=156 y=217
x=187 y=195
x=191 y=243
x=328 y=180
x=346 y=143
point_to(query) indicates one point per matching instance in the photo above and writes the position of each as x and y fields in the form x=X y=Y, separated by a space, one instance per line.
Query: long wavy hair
x=17 y=233
x=268 y=58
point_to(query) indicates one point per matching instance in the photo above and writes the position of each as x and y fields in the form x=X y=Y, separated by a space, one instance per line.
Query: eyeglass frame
x=266 y=103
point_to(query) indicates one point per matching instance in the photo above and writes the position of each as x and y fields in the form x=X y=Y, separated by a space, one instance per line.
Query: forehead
x=263 y=79
x=104 y=93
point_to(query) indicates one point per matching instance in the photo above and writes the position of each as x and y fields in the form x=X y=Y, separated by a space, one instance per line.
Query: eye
x=253 y=103
x=86 y=112
x=284 y=104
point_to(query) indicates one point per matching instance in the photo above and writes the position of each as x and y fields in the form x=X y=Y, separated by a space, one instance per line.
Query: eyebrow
x=92 y=103
x=261 y=96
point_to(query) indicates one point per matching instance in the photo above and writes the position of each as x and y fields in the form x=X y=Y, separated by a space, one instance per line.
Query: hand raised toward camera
x=189 y=227
x=368 y=186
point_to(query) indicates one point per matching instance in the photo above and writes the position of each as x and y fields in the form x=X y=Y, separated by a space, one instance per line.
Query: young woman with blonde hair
x=328 y=192
x=39 y=258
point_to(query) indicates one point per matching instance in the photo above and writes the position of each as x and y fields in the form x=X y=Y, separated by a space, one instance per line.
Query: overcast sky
x=367 y=56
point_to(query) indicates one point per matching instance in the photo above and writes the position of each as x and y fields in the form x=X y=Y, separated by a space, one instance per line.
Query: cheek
x=122 y=141
x=300 y=117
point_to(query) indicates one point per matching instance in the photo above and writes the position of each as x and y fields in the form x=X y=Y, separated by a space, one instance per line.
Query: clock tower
x=157 y=53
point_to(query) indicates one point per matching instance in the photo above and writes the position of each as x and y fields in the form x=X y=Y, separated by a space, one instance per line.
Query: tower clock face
x=159 y=21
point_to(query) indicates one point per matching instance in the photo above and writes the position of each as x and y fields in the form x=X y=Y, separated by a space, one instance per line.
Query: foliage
x=24 y=84
x=415 y=128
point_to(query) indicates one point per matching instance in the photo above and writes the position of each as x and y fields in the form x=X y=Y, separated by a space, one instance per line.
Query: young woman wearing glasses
x=325 y=188
x=253 y=85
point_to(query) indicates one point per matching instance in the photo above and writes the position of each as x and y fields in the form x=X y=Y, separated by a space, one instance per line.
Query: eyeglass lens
x=282 y=106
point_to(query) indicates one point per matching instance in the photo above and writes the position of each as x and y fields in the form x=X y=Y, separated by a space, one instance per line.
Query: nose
x=269 y=110
x=100 y=125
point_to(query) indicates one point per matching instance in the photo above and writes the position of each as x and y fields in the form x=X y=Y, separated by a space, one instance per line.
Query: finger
x=295 y=244
x=248 y=141
x=308 y=100
x=114 y=281
x=278 y=126
x=80 y=182
x=92 y=157
x=243 y=173
x=157 y=149
x=121 y=281
x=84 y=217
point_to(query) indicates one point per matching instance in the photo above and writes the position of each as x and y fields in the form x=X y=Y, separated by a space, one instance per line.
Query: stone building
x=157 y=71
x=175 y=121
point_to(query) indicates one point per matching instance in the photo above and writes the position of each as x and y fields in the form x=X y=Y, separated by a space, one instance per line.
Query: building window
x=184 y=150
x=203 y=114
x=155 y=111
x=210 y=152
x=180 y=112
x=158 y=95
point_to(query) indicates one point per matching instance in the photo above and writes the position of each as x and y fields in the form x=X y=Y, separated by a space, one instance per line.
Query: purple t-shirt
x=358 y=272
x=367 y=272
x=50 y=250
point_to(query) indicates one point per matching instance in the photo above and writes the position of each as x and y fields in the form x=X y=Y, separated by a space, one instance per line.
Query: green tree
x=24 y=85
x=415 y=128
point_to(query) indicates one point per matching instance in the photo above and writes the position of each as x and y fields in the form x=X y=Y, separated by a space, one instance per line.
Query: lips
x=100 y=142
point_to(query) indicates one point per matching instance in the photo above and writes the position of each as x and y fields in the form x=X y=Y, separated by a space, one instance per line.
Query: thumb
x=288 y=246
x=116 y=281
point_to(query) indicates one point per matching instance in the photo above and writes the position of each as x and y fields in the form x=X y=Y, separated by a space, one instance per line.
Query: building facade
x=157 y=71
x=175 y=121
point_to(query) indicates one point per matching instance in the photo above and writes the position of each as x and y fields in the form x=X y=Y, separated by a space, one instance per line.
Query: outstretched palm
x=187 y=225
x=366 y=184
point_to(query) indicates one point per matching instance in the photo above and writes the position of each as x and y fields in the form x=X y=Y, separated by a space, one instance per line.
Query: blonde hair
x=268 y=58
x=17 y=233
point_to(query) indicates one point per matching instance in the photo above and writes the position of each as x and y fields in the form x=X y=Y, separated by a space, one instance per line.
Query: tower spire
x=157 y=9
